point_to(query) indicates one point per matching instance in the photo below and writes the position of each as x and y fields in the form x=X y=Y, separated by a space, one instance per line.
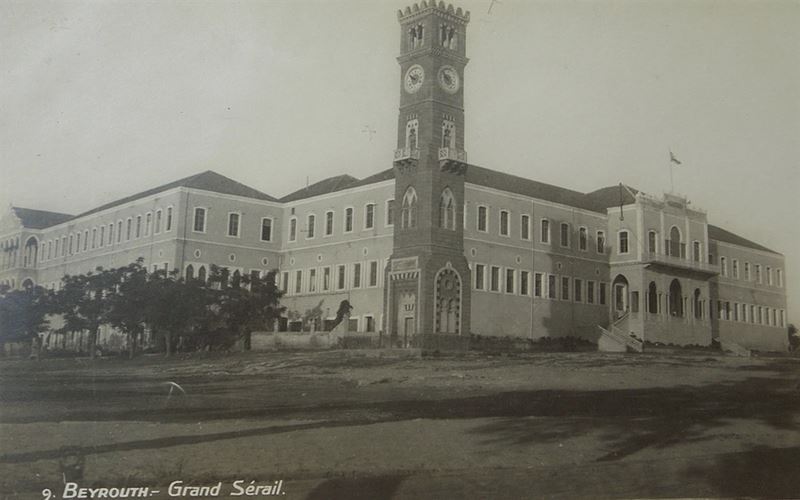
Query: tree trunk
x=132 y=350
x=246 y=341
x=93 y=343
x=168 y=342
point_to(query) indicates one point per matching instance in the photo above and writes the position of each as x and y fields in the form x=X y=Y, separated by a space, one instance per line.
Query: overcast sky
x=102 y=99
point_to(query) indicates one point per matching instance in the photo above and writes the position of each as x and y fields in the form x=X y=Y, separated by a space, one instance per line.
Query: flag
x=674 y=160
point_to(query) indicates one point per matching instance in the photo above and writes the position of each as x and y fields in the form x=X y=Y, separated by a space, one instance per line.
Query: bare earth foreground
x=335 y=425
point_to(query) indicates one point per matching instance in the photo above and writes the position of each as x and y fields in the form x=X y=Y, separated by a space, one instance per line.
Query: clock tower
x=428 y=280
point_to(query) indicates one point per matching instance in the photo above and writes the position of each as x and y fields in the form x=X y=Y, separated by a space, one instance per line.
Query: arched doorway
x=27 y=284
x=448 y=302
x=675 y=299
x=189 y=272
x=620 y=287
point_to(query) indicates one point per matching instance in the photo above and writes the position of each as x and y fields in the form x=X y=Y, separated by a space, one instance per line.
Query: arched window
x=409 y=209
x=675 y=299
x=675 y=242
x=201 y=274
x=447 y=212
x=412 y=130
x=652 y=298
x=189 y=272
x=652 y=242
x=698 y=305
x=448 y=134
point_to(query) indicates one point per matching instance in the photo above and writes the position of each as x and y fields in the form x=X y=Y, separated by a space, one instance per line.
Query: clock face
x=448 y=79
x=414 y=78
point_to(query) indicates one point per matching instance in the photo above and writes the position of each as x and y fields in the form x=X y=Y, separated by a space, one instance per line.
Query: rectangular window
x=102 y=236
x=523 y=283
x=480 y=276
x=494 y=279
x=552 y=291
x=298 y=281
x=601 y=242
x=735 y=265
x=266 y=229
x=285 y=282
x=328 y=223
x=482 y=219
x=326 y=279
x=783 y=318
x=199 y=225
x=341 y=274
x=758 y=273
x=727 y=311
x=544 y=231
x=723 y=264
x=168 y=225
x=779 y=274
x=293 y=229
x=119 y=231
x=590 y=292
x=623 y=242
x=696 y=251
x=348 y=220
x=373 y=273
x=312 y=280
x=63 y=246
x=94 y=237
x=747 y=271
x=158 y=222
x=110 y=234
x=564 y=234
x=71 y=241
x=86 y=239
x=148 y=223
x=583 y=239
x=509 y=281
x=564 y=288
x=769 y=276
x=390 y=212
x=635 y=302
x=233 y=224
x=525 y=227
x=311 y=222
x=369 y=216
x=537 y=284
x=603 y=293
x=357 y=275
x=370 y=324
x=503 y=223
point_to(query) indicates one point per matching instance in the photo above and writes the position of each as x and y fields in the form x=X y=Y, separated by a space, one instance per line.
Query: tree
x=794 y=339
x=242 y=304
x=23 y=314
x=345 y=308
x=175 y=307
x=84 y=301
x=128 y=304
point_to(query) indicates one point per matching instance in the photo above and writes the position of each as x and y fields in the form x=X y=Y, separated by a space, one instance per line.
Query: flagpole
x=671 y=180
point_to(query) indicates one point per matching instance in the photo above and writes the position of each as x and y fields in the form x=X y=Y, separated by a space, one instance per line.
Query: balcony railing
x=452 y=154
x=406 y=154
x=681 y=262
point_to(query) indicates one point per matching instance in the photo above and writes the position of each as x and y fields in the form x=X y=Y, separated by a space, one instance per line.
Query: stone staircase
x=616 y=338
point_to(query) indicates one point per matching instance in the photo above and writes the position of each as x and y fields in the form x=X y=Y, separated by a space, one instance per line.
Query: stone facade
x=435 y=245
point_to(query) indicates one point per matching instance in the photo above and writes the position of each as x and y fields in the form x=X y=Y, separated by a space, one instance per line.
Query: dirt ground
x=350 y=425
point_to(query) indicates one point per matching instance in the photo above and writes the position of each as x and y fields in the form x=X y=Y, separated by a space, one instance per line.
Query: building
x=434 y=244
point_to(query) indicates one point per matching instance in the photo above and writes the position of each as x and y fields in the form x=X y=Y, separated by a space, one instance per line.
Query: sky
x=99 y=100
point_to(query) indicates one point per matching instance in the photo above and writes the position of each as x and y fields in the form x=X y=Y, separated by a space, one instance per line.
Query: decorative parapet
x=681 y=262
x=453 y=154
x=406 y=154
x=418 y=9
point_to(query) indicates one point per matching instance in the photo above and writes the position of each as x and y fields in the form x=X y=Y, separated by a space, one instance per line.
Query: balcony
x=453 y=154
x=679 y=261
x=406 y=154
